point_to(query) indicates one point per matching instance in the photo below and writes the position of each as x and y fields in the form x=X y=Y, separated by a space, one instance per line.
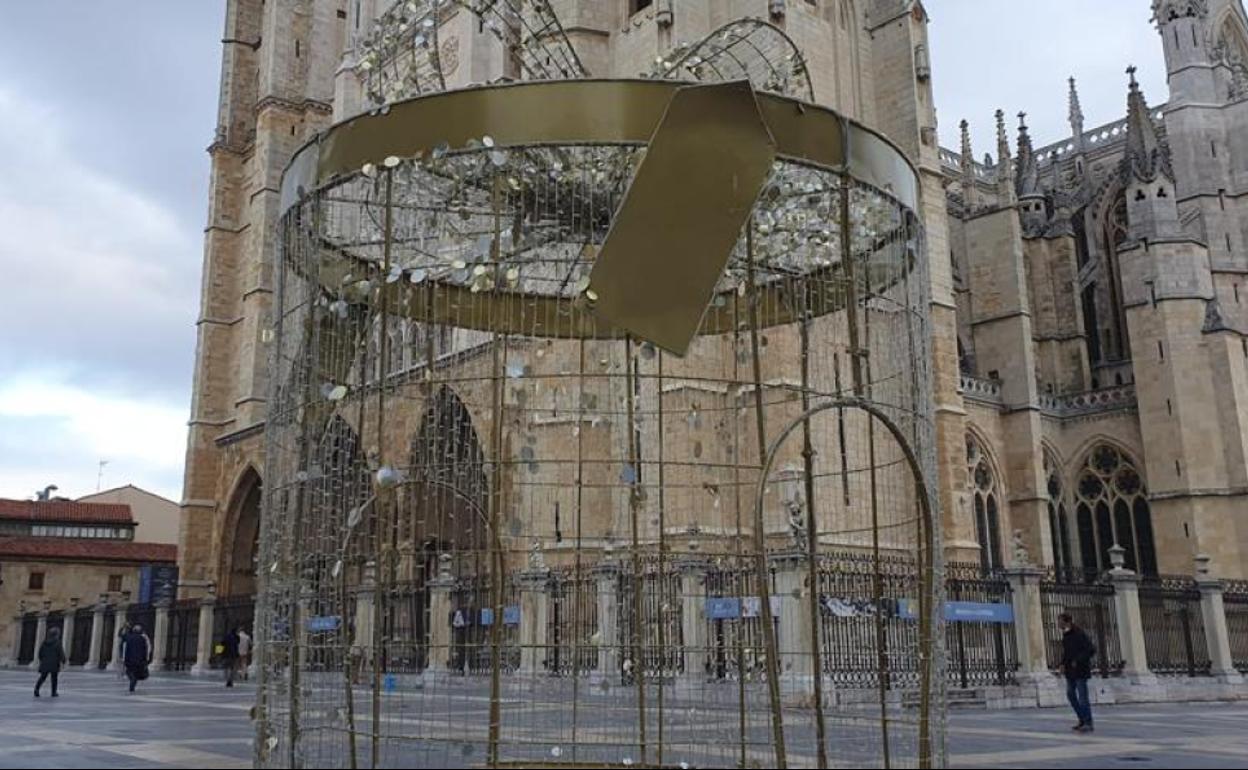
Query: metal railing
x=1174 y=627
x=107 y=636
x=144 y=615
x=735 y=646
x=471 y=644
x=230 y=612
x=660 y=621
x=571 y=623
x=80 y=645
x=1235 y=603
x=979 y=654
x=848 y=621
x=182 y=635
x=30 y=630
x=1091 y=603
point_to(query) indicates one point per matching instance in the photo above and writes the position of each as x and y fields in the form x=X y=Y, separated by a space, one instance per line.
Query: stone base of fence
x=1049 y=691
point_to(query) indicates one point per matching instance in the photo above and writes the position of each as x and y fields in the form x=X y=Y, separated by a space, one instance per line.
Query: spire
x=970 y=196
x=1145 y=157
x=1076 y=112
x=1005 y=179
x=1028 y=181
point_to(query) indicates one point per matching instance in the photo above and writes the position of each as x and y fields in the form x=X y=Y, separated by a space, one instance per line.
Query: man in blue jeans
x=1077 y=654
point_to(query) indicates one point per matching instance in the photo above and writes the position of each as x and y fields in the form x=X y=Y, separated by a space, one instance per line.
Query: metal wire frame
x=750 y=49
x=675 y=455
x=402 y=56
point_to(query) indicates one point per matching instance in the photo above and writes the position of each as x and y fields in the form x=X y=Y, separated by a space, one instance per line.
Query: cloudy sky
x=107 y=109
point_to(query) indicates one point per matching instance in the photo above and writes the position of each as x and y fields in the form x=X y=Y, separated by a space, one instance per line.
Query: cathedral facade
x=1090 y=363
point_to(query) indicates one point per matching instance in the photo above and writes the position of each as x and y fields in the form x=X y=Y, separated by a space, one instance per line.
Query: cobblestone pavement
x=183 y=722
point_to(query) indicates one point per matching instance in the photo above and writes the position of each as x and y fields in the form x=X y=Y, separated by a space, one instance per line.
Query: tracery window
x=1112 y=508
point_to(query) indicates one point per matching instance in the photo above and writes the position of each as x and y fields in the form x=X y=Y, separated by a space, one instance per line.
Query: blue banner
x=324 y=623
x=725 y=608
x=511 y=615
x=963 y=612
x=978 y=612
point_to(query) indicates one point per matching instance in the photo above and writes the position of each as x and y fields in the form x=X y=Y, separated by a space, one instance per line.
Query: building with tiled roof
x=56 y=553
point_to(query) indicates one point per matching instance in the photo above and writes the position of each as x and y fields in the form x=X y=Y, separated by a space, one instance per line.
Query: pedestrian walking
x=1077 y=654
x=136 y=653
x=244 y=652
x=51 y=658
x=229 y=655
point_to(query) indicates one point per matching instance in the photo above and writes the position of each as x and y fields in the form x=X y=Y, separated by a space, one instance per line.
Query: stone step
x=955 y=698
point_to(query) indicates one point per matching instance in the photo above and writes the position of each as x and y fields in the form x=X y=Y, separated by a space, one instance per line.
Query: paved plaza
x=183 y=722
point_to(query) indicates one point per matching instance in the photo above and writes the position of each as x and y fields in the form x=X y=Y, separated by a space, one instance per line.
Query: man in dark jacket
x=51 y=658
x=1077 y=654
x=229 y=655
x=136 y=652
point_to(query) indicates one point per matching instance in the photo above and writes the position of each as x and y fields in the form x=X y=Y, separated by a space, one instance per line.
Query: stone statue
x=797 y=522
x=1021 y=557
x=537 y=558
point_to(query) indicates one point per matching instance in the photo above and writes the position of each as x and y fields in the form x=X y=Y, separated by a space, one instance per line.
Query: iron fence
x=735 y=646
x=1174 y=627
x=1235 y=603
x=143 y=615
x=979 y=654
x=56 y=620
x=106 y=637
x=230 y=612
x=80 y=645
x=182 y=635
x=1090 y=602
x=850 y=619
x=572 y=623
x=472 y=602
x=405 y=625
x=654 y=625
x=30 y=631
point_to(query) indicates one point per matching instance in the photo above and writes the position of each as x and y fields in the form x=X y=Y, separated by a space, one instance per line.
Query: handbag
x=142 y=673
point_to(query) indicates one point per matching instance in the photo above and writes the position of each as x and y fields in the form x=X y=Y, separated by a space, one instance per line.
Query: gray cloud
x=1017 y=54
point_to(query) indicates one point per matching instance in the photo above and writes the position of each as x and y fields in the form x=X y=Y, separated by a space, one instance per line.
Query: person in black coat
x=136 y=653
x=229 y=655
x=1077 y=654
x=51 y=658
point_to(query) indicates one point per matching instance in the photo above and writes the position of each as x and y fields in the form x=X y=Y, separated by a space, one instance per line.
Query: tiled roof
x=86 y=549
x=66 y=511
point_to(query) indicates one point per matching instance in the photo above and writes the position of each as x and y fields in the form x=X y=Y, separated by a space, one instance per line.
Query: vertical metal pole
x=576 y=601
x=634 y=504
x=497 y=572
x=663 y=610
x=760 y=535
x=738 y=636
x=812 y=537
x=382 y=502
x=856 y=360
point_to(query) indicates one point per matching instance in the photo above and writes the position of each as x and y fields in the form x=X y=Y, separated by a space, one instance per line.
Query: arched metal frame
x=928 y=595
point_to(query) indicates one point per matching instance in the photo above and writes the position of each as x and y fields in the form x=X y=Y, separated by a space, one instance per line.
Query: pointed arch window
x=985 y=503
x=1112 y=508
x=1059 y=528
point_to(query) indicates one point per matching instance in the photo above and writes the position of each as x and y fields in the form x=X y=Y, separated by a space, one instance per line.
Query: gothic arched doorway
x=447 y=515
x=242 y=536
